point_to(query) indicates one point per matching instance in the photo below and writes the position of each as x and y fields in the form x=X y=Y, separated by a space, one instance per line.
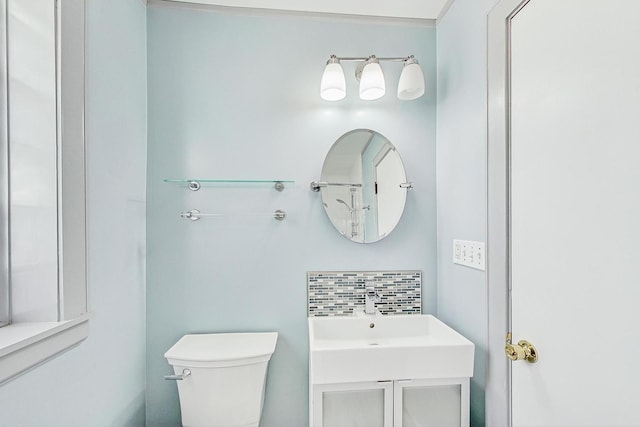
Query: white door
x=575 y=212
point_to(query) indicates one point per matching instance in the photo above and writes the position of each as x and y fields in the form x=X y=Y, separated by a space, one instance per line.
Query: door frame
x=498 y=383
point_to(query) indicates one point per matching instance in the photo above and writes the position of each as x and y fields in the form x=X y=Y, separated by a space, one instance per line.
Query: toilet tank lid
x=223 y=346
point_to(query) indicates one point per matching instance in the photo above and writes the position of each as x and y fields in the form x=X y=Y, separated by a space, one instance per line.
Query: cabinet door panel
x=355 y=408
x=424 y=403
x=431 y=406
x=367 y=404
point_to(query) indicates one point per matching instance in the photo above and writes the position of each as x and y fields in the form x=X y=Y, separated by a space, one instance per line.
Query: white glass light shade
x=411 y=85
x=372 y=82
x=333 y=86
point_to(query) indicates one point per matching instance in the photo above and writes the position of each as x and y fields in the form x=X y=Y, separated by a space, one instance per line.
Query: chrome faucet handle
x=371 y=293
x=371 y=297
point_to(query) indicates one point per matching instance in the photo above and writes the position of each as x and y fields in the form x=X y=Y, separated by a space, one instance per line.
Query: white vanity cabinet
x=401 y=403
x=388 y=371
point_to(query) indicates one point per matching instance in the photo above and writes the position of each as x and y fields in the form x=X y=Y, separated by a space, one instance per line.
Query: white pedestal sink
x=347 y=352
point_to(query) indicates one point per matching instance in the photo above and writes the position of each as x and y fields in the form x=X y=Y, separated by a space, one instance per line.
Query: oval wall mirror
x=363 y=186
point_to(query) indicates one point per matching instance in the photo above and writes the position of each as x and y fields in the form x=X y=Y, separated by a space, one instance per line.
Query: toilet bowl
x=221 y=377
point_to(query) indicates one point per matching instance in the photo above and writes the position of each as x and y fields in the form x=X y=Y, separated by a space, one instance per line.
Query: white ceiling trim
x=404 y=9
x=198 y=5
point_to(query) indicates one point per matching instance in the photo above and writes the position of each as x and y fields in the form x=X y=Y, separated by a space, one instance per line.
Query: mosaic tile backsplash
x=338 y=293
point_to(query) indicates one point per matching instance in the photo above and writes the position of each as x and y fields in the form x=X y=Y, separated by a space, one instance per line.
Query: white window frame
x=25 y=345
x=4 y=178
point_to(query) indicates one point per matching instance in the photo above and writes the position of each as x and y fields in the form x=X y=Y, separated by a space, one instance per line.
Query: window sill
x=24 y=346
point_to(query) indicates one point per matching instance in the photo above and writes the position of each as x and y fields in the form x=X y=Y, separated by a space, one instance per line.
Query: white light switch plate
x=470 y=254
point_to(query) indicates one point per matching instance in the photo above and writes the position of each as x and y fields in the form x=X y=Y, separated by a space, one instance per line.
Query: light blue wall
x=235 y=95
x=462 y=176
x=101 y=382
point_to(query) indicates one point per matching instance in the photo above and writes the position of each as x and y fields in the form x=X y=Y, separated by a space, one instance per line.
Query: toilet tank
x=227 y=380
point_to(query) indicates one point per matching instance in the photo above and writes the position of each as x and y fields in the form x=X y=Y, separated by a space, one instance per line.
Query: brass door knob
x=524 y=350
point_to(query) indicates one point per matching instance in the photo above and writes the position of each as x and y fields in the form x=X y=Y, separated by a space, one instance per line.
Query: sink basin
x=373 y=348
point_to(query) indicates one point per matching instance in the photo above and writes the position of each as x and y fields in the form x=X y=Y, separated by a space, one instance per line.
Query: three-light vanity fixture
x=369 y=73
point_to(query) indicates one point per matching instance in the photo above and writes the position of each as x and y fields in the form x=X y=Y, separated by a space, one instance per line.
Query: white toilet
x=221 y=377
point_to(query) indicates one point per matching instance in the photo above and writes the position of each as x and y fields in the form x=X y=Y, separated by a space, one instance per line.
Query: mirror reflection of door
x=390 y=197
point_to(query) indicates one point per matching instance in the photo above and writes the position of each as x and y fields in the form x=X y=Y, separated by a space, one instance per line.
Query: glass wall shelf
x=195 y=184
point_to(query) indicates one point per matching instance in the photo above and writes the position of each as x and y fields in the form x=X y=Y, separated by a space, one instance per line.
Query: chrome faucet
x=371 y=297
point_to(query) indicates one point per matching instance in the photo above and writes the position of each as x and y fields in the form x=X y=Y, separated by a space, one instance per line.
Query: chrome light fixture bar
x=369 y=74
